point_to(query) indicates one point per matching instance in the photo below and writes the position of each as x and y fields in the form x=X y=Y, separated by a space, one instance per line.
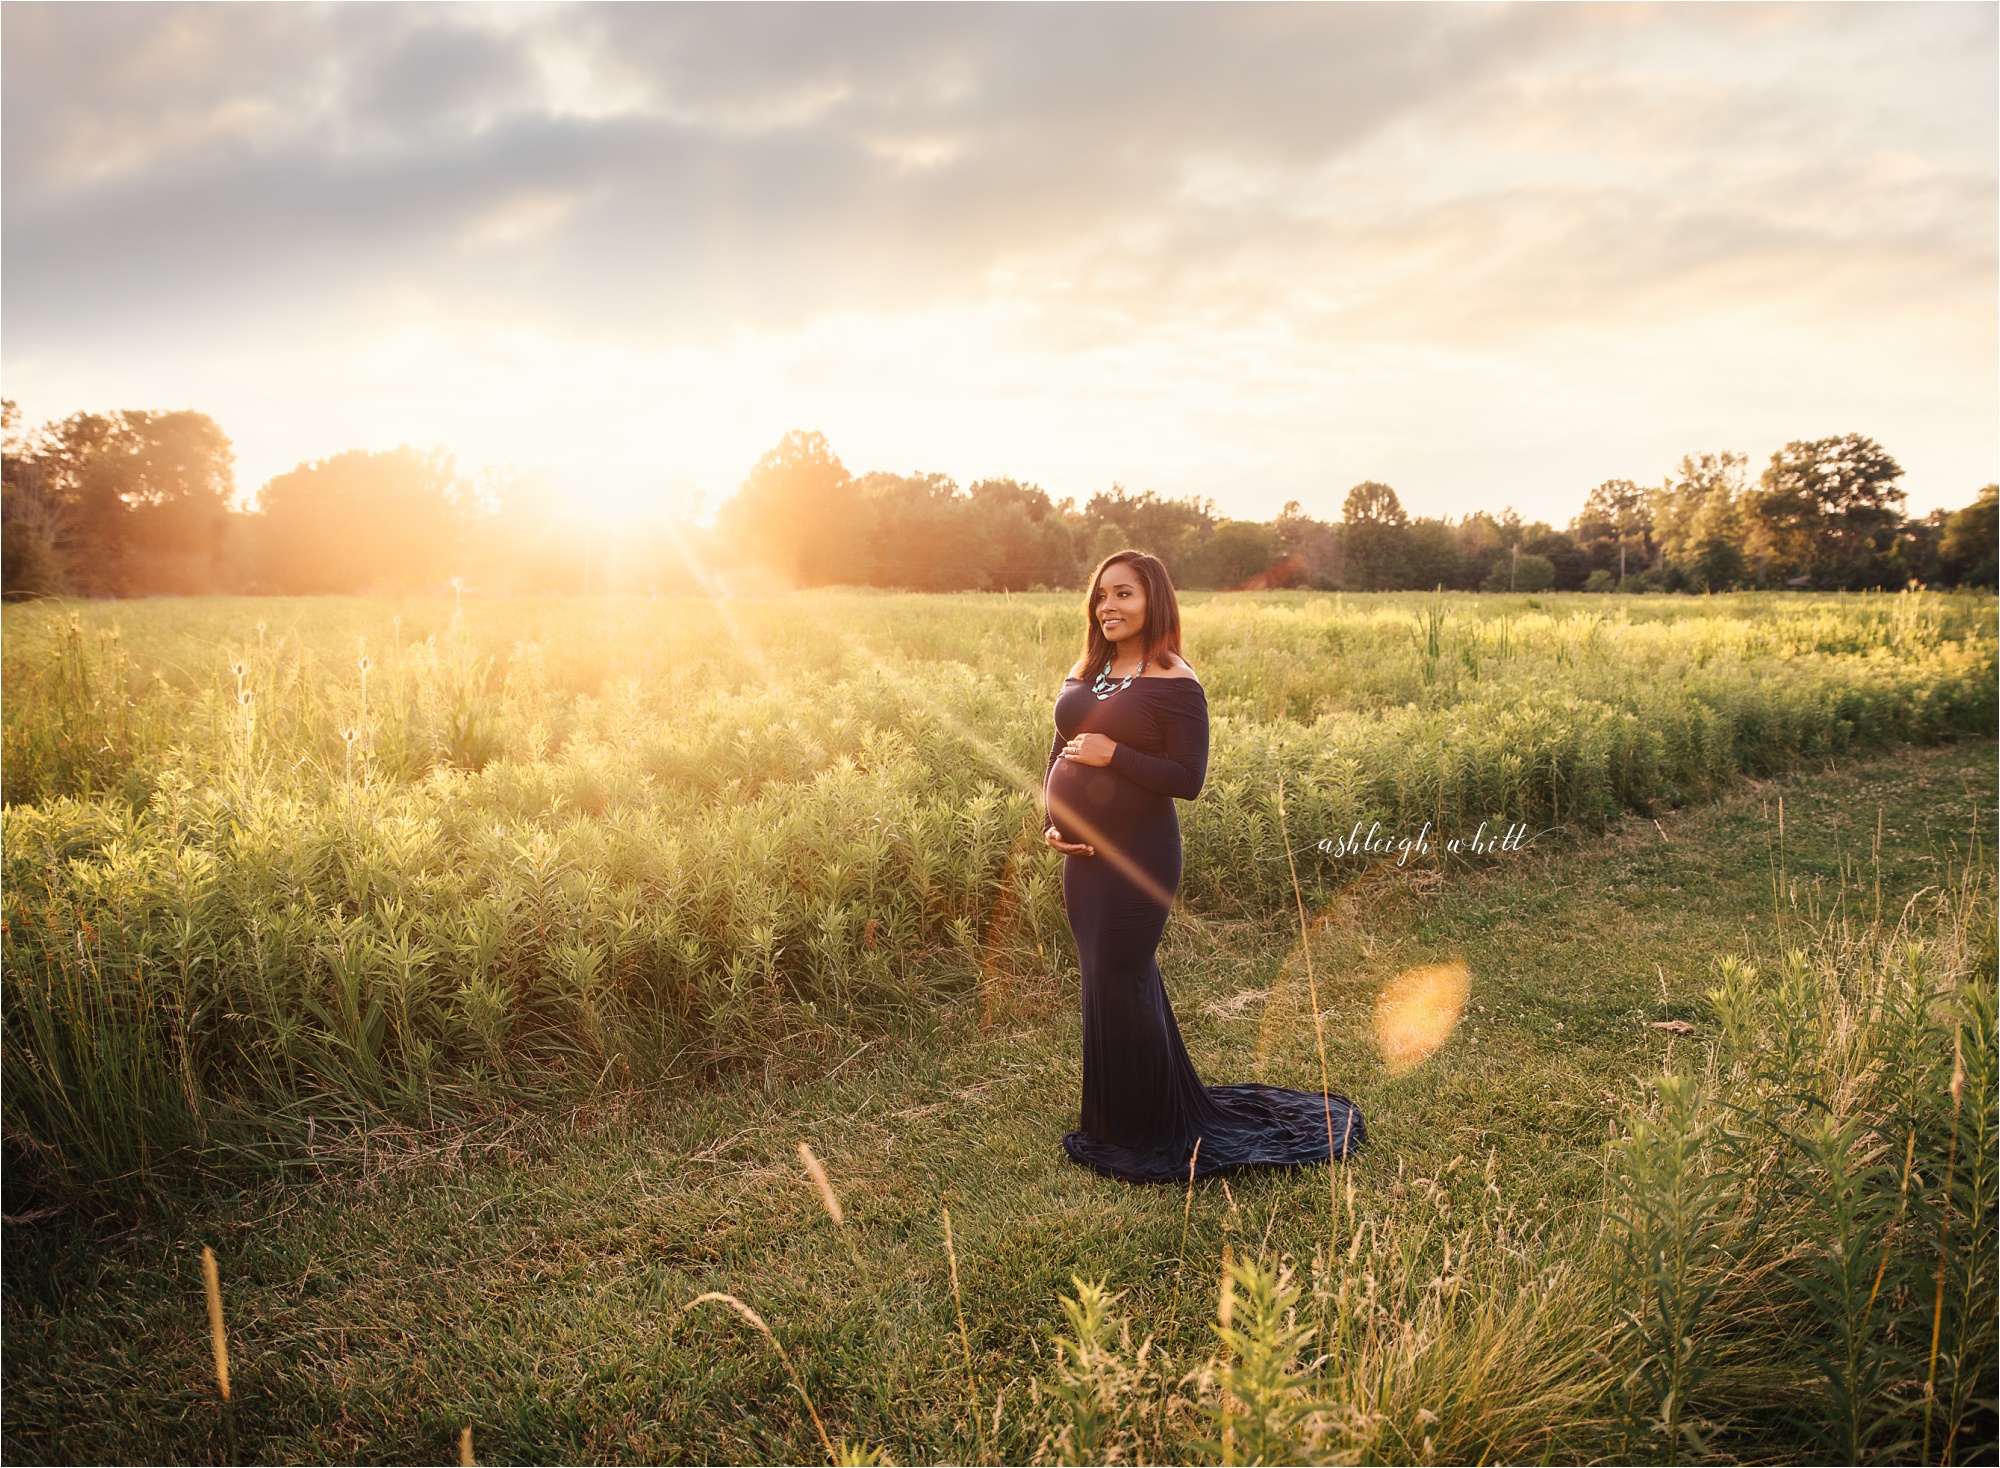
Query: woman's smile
x=1118 y=762
x=1121 y=603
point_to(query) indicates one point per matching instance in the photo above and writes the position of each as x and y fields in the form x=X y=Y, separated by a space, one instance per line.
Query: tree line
x=138 y=503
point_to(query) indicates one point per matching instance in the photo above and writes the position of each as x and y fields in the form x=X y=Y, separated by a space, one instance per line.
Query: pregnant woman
x=1131 y=736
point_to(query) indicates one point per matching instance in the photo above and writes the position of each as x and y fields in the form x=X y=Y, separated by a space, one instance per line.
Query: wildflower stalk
x=1180 y=1259
x=1902 y=1197
x=964 y=1336
x=218 y=1339
x=1944 y=1242
x=717 y=1297
x=1319 y=1030
x=829 y=1200
x=1225 y=1316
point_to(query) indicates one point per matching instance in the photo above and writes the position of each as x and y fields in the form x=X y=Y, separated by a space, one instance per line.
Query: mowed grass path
x=531 y=1282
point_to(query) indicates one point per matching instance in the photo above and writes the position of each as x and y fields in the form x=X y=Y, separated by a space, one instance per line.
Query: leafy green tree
x=361 y=520
x=1701 y=520
x=1375 y=538
x=1431 y=556
x=1967 y=550
x=1173 y=530
x=128 y=503
x=1615 y=529
x=922 y=535
x=1482 y=540
x=1533 y=572
x=1522 y=572
x=799 y=515
x=1717 y=566
x=1023 y=538
x=1373 y=503
x=1236 y=551
x=1567 y=562
x=1828 y=509
x=81 y=462
x=1311 y=546
x=1108 y=539
x=31 y=519
x=180 y=477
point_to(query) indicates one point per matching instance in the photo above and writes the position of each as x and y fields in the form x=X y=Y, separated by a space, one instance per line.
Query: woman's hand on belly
x=1067 y=848
x=1090 y=749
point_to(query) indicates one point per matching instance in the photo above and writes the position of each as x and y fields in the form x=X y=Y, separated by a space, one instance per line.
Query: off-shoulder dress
x=1144 y=1107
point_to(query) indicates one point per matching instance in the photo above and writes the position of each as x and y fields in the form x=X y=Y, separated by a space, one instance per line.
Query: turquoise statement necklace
x=1103 y=687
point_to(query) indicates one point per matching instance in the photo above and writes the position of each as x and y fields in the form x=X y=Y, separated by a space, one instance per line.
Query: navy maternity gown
x=1143 y=1105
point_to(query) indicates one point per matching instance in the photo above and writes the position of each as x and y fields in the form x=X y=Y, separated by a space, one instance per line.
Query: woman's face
x=1121 y=603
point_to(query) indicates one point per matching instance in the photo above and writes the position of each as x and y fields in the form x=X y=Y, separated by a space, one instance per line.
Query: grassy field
x=474 y=1018
x=280 y=870
x=529 y=1276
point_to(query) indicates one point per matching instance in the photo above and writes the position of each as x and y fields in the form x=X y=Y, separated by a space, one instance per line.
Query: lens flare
x=1417 y=1013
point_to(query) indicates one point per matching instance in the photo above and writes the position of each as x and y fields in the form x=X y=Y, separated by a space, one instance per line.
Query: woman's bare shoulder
x=1172 y=666
x=1076 y=669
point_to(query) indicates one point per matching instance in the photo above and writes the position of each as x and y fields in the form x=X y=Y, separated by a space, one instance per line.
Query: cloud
x=766 y=164
x=1322 y=190
x=759 y=164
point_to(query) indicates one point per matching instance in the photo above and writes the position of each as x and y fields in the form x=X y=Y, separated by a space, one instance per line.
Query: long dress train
x=1144 y=1107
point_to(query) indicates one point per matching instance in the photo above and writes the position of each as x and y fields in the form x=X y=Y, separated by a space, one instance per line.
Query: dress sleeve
x=1184 y=731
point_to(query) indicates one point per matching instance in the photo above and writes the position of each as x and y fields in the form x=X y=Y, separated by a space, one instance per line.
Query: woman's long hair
x=1162 y=632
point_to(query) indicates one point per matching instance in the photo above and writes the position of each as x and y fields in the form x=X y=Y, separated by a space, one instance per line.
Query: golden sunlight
x=1417 y=1013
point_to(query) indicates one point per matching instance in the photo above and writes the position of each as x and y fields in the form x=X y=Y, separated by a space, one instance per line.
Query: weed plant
x=1795 y=1255
x=279 y=871
x=1714 y=1209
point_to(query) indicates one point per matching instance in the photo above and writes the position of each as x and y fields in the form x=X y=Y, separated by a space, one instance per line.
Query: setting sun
x=719 y=724
x=1492 y=256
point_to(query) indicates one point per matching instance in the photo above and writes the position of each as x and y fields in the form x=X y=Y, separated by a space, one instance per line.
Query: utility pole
x=1514 y=567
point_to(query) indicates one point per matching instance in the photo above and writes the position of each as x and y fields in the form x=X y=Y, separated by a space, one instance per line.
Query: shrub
x=259 y=878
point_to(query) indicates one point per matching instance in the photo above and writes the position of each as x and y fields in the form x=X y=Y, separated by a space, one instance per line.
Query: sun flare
x=1416 y=1013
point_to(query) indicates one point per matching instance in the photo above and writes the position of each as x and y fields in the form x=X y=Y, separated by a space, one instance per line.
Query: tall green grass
x=1795 y=1256
x=277 y=871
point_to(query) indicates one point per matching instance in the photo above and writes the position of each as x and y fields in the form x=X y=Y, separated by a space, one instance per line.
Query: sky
x=1491 y=255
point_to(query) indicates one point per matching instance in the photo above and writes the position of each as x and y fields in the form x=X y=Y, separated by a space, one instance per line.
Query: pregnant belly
x=1091 y=803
